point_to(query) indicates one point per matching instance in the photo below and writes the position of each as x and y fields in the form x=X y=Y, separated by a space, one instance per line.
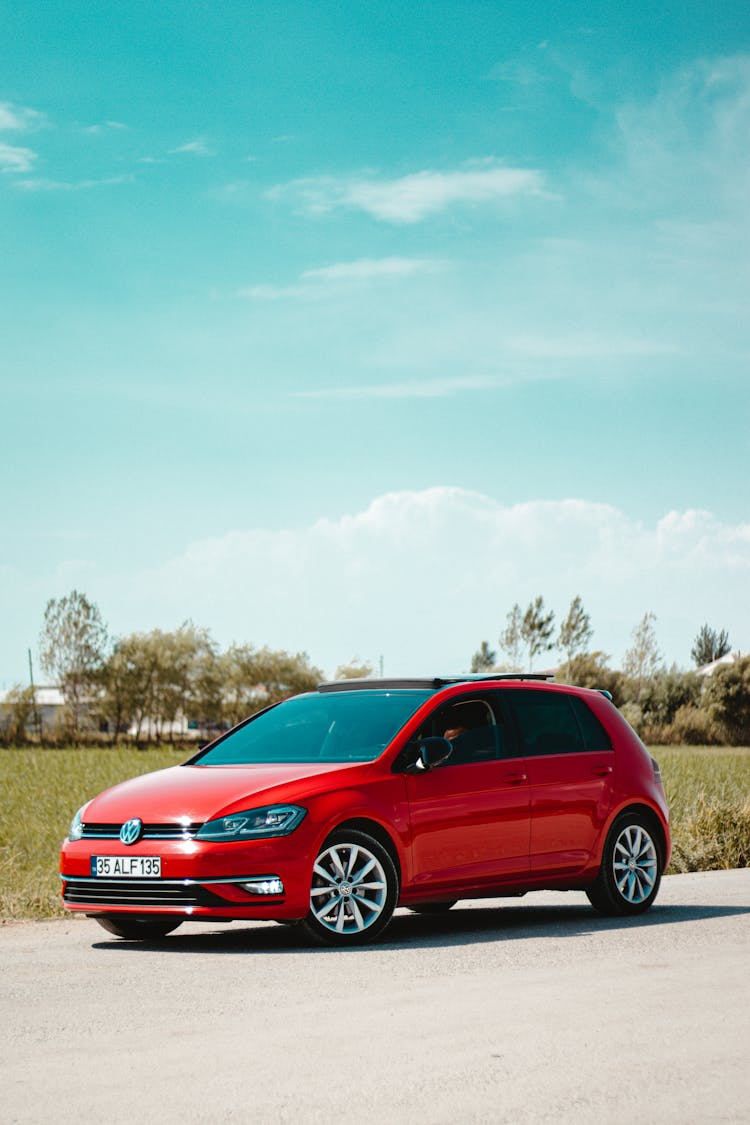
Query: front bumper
x=199 y=880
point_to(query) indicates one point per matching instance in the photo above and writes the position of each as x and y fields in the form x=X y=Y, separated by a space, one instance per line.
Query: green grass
x=39 y=792
x=708 y=790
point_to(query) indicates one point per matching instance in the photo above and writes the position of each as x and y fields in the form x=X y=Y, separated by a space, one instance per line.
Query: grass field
x=708 y=790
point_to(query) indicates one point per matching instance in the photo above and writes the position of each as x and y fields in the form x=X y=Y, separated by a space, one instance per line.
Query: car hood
x=200 y=793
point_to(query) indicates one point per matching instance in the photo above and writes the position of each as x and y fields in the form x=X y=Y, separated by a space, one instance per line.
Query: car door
x=470 y=816
x=570 y=764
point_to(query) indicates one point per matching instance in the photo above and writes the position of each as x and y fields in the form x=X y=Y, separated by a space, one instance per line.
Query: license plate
x=126 y=866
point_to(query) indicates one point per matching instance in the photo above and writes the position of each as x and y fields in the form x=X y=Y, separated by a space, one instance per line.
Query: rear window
x=555 y=723
x=595 y=736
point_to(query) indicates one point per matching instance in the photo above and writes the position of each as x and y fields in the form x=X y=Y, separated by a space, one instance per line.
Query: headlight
x=75 y=832
x=275 y=820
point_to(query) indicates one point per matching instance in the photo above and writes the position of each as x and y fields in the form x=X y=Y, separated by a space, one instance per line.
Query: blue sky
x=343 y=327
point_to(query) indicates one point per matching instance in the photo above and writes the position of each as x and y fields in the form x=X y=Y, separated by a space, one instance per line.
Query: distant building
x=48 y=703
x=730 y=658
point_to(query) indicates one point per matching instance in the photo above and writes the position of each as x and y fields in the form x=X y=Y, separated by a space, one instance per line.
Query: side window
x=595 y=736
x=546 y=722
x=470 y=723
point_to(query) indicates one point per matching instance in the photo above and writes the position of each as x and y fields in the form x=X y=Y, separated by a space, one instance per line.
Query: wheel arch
x=651 y=815
x=378 y=832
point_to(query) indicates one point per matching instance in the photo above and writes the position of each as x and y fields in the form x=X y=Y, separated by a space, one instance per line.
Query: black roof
x=434 y=684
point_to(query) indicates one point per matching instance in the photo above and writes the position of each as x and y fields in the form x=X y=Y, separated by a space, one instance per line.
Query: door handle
x=601 y=771
x=516 y=778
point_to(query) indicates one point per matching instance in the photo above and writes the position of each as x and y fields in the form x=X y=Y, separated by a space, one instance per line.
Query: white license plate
x=126 y=866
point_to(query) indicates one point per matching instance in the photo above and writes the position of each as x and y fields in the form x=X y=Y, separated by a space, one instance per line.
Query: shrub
x=693 y=726
x=727 y=699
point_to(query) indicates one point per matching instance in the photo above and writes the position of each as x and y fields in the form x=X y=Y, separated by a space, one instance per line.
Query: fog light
x=270 y=885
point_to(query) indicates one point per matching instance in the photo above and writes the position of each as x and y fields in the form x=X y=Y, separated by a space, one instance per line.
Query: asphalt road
x=524 y=1010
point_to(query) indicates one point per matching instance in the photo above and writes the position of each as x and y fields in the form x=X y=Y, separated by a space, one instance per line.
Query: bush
x=662 y=696
x=633 y=714
x=693 y=726
x=726 y=697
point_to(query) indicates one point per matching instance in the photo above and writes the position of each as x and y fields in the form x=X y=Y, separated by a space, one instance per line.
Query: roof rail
x=479 y=677
x=372 y=683
x=434 y=684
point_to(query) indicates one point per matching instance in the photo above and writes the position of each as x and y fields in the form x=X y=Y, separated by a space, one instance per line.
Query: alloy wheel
x=634 y=864
x=349 y=889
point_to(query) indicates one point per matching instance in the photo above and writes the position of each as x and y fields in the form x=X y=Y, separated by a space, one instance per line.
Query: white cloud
x=588 y=346
x=423 y=388
x=688 y=144
x=19 y=117
x=43 y=185
x=197 y=147
x=13 y=158
x=265 y=292
x=363 y=271
x=516 y=73
x=423 y=577
x=103 y=127
x=409 y=199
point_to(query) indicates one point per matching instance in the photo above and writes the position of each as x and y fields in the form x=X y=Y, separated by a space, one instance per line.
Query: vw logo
x=131 y=830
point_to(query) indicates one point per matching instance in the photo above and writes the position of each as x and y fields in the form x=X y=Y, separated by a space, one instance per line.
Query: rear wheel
x=354 y=890
x=138 y=929
x=629 y=877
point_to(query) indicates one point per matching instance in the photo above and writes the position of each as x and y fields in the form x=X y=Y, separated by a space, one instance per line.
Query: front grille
x=150 y=831
x=139 y=892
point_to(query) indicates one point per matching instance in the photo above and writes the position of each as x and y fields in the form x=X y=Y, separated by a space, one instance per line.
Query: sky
x=343 y=327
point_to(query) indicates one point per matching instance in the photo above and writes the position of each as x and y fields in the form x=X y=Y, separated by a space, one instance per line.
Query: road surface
x=520 y=1010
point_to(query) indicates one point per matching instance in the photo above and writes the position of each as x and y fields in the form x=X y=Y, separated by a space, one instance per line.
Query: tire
x=138 y=929
x=433 y=907
x=629 y=877
x=353 y=892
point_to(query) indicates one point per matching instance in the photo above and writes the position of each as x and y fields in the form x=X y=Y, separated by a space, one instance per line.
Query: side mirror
x=433 y=752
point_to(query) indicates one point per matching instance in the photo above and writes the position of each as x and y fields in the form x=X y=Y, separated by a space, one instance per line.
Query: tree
x=483 y=659
x=129 y=682
x=16 y=713
x=726 y=697
x=643 y=659
x=575 y=631
x=184 y=656
x=537 y=628
x=356 y=669
x=284 y=674
x=591 y=670
x=709 y=645
x=254 y=678
x=72 y=645
x=511 y=639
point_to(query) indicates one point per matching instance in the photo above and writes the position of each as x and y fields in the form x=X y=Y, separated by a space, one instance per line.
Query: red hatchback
x=333 y=808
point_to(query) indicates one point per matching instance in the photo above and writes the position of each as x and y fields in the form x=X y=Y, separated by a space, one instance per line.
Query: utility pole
x=381 y=667
x=37 y=717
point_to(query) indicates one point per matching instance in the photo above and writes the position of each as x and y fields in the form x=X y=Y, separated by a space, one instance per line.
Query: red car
x=333 y=808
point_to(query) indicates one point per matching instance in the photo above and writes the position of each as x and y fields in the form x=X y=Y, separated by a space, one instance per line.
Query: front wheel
x=353 y=892
x=629 y=877
x=138 y=929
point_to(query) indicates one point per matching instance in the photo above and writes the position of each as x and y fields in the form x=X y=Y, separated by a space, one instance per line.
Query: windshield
x=341 y=726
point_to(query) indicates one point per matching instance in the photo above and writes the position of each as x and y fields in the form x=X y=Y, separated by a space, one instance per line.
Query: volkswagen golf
x=332 y=808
